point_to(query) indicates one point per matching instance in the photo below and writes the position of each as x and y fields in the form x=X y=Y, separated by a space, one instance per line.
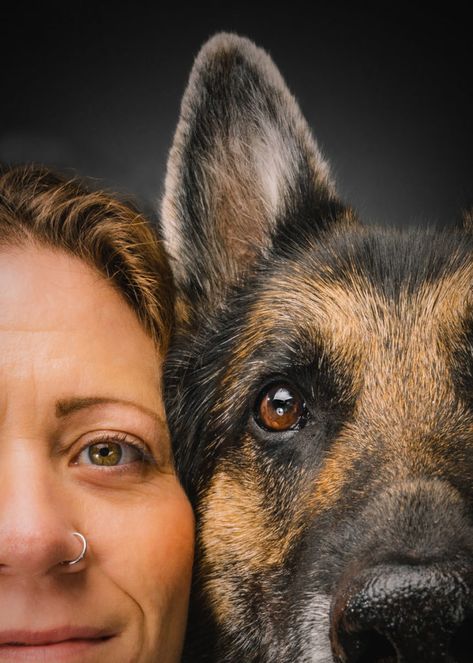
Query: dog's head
x=319 y=393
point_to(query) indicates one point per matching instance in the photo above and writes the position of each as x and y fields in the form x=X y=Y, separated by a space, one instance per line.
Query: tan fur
x=235 y=520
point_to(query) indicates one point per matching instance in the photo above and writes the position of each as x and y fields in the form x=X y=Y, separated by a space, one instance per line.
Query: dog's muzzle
x=405 y=614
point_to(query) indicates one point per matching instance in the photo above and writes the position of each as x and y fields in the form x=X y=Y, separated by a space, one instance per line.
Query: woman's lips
x=51 y=636
x=54 y=644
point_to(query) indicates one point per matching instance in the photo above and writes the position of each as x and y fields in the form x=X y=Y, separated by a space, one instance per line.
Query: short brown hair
x=40 y=205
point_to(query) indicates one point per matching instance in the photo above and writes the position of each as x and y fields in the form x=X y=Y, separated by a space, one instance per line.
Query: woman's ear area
x=242 y=160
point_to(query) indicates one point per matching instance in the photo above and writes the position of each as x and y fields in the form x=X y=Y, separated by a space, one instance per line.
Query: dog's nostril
x=367 y=647
x=375 y=648
x=461 y=646
x=413 y=614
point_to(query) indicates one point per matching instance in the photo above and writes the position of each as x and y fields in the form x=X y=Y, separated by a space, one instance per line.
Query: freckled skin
x=67 y=336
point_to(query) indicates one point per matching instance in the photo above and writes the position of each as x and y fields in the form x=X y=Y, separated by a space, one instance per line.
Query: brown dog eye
x=280 y=407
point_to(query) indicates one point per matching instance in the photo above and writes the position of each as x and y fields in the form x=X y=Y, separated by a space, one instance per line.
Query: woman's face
x=84 y=447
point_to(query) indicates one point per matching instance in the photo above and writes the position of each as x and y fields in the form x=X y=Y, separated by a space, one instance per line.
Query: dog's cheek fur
x=246 y=540
x=240 y=519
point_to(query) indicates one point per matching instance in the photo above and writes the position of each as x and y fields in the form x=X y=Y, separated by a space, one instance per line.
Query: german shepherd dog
x=320 y=393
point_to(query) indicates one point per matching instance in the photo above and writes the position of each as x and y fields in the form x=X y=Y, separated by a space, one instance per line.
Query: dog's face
x=319 y=394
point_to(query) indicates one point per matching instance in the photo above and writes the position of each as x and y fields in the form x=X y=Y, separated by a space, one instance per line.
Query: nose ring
x=83 y=552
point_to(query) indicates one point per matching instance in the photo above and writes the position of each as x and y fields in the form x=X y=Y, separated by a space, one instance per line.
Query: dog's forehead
x=356 y=311
x=387 y=309
x=390 y=311
x=373 y=284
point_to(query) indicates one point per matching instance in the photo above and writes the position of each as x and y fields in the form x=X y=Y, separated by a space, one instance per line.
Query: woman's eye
x=111 y=452
x=279 y=407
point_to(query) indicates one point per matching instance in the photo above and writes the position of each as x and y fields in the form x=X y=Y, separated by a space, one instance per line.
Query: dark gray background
x=386 y=89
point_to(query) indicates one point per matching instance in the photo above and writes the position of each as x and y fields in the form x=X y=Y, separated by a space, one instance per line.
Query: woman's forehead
x=61 y=320
x=52 y=286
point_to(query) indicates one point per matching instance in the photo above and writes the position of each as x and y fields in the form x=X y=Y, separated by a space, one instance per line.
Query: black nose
x=404 y=614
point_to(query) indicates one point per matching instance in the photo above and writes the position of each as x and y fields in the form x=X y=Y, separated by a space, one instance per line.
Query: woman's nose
x=36 y=530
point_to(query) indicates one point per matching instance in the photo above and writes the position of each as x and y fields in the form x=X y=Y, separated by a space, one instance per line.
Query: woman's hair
x=40 y=206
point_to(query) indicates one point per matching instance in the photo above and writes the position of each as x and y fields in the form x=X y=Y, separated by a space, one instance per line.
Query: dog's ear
x=242 y=160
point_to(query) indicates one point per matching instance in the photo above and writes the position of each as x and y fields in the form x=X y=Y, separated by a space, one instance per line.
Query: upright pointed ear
x=242 y=159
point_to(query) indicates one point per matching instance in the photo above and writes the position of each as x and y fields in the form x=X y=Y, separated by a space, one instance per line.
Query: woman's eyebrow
x=68 y=406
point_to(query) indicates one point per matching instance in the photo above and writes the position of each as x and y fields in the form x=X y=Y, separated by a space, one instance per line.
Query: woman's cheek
x=162 y=578
x=145 y=541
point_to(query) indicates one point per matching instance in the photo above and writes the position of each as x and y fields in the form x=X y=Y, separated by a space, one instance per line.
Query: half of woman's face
x=84 y=447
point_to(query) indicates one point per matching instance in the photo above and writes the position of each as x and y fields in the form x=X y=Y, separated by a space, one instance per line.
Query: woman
x=96 y=534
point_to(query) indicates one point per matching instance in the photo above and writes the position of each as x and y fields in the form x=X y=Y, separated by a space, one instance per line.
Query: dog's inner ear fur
x=242 y=157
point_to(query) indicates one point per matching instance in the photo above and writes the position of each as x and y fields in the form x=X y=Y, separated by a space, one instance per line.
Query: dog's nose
x=404 y=614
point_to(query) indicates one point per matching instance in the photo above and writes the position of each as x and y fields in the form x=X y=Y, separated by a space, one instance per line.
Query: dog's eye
x=280 y=407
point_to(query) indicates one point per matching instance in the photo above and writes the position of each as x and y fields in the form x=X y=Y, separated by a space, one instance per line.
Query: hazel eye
x=110 y=452
x=280 y=407
x=105 y=453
